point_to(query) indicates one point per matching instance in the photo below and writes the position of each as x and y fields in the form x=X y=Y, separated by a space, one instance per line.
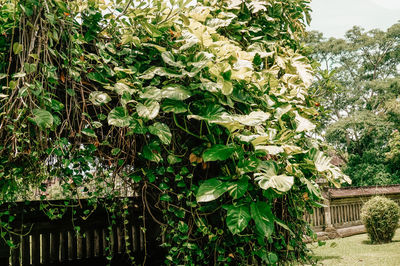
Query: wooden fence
x=41 y=241
x=343 y=207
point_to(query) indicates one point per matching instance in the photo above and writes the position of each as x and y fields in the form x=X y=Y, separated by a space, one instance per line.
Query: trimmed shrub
x=380 y=217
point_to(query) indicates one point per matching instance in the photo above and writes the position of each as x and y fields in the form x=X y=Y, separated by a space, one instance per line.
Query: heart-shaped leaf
x=263 y=218
x=119 y=117
x=237 y=218
x=218 y=152
x=42 y=118
x=162 y=131
x=99 y=98
x=210 y=190
x=148 y=110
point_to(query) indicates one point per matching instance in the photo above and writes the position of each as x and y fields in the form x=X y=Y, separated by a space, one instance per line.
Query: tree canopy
x=203 y=111
x=358 y=88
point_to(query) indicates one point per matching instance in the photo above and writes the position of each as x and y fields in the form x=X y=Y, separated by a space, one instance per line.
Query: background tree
x=358 y=87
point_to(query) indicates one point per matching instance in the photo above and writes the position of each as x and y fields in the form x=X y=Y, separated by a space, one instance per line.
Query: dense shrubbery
x=380 y=217
x=202 y=111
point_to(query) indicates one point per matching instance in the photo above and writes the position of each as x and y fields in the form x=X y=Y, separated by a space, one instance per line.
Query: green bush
x=380 y=217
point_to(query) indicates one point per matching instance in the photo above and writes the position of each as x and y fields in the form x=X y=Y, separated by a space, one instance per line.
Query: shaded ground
x=357 y=250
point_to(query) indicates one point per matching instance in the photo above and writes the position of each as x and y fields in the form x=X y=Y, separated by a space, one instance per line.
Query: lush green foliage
x=380 y=216
x=202 y=111
x=358 y=89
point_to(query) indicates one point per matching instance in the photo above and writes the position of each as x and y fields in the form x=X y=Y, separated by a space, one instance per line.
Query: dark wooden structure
x=42 y=241
x=343 y=207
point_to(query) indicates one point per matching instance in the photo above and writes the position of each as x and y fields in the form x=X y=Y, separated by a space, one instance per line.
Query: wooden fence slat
x=63 y=246
x=35 y=248
x=135 y=239
x=121 y=240
x=342 y=214
x=129 y=241
x=97 y=245
x=45 y=248
x=15 y=251
x=25 y=250
x=142 y=239
x=71 y=245
x=81 y=247
x=348 y=213
x=104 y=233
x=54 y=247
x=114 y=240
x=89 y=244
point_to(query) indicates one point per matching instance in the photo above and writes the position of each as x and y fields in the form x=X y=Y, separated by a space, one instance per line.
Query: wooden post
x=329 y=221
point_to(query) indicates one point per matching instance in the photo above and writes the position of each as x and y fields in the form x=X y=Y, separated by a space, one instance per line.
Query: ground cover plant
x=203 y=111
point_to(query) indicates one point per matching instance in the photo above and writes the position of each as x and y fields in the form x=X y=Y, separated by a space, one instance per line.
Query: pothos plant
x=201 y=109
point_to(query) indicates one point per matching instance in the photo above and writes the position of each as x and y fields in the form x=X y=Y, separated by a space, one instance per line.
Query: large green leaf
x=270 y=149
x=238 y=188
x=98 y=98
x=281 y=183
x=119 y=117
x=174 y=106
x=17 y=48
x=304 y=69
x=323 y=165
x=162 y=131
x=169 y=59
x=237 y=218
x=218 y=152
x=160 y=71
x=255 y=118
x=42 y=118
x=148 y=110
x=210 y=190
x=97 y=76
x=30 y=68
x=263 y=218
x=151 y=92
x=175 y=92
x=89 y=132
x=227 y=87
x=122 y=88
x=303 y=124
x=152 y=152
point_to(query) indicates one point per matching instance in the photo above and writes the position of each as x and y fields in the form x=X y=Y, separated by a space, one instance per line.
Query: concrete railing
x=341 y=215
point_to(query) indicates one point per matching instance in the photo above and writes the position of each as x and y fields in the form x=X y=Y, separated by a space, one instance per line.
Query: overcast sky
x=335 y=17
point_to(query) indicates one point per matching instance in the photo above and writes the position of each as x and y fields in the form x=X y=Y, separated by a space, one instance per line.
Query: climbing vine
x=200 y=110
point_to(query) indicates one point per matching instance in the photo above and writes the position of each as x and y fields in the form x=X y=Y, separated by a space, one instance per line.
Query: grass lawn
x=357 y=250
